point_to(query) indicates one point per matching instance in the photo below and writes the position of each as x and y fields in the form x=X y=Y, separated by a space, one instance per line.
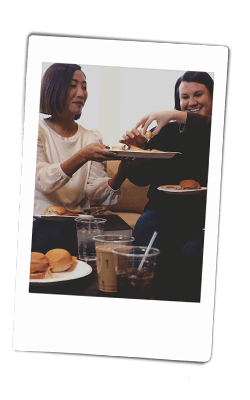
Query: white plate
x=78 y=270
x=58 y=217
x=175 y=189
x=144 y=154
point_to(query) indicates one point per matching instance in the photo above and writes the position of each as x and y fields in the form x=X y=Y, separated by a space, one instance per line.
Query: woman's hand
x=162 y=118
x=135 y=138
x=91 y=152
x=96 y=152
x=124 y=169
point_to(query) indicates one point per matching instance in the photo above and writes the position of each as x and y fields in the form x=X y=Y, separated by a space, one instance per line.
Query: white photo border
x=107 y=326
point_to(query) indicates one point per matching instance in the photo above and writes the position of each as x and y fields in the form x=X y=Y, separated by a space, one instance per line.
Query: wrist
x=83 y=158
x=116 y=181
x=180 y=116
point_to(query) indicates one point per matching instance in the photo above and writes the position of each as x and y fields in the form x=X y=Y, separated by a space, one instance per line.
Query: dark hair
x=192 y=76
x=54 y=88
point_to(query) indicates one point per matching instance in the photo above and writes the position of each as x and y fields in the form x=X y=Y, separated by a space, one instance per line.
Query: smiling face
x=77 y=94
x=195 y=97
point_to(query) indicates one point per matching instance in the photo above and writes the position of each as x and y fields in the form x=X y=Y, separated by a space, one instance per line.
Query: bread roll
x=39 y=267
x=55 y=210
x=59 y=260
x=189 y=184
x=148 y=135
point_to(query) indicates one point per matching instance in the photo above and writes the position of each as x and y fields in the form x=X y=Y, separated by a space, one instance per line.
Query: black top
x=192 y=141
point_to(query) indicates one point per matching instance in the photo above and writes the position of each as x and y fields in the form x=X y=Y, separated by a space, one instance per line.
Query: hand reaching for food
x=134 y=138
x=162 y=118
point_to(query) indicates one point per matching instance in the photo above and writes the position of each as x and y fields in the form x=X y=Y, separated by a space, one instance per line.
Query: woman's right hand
x=91 y=152
x=96 y=152
x=162 y=118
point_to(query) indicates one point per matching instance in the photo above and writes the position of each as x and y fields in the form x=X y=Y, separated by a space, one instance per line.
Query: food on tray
x=118 y=147
x=147 y=135
x=59 y=260
x=55 y=210
x=135 y=148
x=189 y=184
x=156 y=151
x=39 y=266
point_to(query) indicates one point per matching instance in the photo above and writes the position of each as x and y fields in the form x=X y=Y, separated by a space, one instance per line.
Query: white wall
x=119 y=97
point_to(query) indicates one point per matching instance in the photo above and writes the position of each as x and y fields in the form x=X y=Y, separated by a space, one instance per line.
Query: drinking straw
x=147 y=250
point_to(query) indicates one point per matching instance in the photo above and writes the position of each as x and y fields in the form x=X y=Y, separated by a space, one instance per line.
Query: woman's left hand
x=128 y=164
x=124 y=169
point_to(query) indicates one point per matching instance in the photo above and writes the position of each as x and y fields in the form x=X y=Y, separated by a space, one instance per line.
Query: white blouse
x=54 y=187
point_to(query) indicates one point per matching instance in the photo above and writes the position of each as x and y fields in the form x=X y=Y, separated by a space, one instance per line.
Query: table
x=88 y=286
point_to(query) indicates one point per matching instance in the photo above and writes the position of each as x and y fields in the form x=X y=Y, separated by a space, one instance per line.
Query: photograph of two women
x=86 y=114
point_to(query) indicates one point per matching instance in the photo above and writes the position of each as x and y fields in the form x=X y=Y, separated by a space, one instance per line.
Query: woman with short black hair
x=71 y=168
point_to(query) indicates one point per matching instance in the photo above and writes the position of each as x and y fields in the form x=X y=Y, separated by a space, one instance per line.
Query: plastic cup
x=86 y=230
x=132 y=282
x=104 y=245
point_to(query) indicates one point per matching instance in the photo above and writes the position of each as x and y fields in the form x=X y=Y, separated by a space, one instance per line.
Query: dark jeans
x=48 y=235
x=179 y=265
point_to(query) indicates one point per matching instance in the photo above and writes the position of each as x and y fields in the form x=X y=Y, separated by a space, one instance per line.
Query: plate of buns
x=185 y=187
x=56 y=265
x=137 y=152
x=59 y=213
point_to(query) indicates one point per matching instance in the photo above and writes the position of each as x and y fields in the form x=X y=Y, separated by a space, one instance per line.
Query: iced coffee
x=104 y=245
x=134 y=267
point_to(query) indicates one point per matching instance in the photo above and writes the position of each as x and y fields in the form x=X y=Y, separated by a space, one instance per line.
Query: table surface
x=86 y=286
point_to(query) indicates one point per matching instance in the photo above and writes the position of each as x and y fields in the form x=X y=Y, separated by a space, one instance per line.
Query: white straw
x=147 y=251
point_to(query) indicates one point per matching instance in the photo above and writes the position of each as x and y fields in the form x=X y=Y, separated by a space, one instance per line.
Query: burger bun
x=189 y=184
x=39 y=267
x=56 y=210
x=59 y=260
x=148 y=135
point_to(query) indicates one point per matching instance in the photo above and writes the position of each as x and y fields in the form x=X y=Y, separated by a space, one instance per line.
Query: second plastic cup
x=135 y=271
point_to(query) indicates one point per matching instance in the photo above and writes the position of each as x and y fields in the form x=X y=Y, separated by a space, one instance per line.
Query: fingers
x=101 y=145
x=156 y=131
x=141 y=122
x=127 y=138
x=108 y=153
x=101 y=153
x=132 y=134
x=147 y=123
